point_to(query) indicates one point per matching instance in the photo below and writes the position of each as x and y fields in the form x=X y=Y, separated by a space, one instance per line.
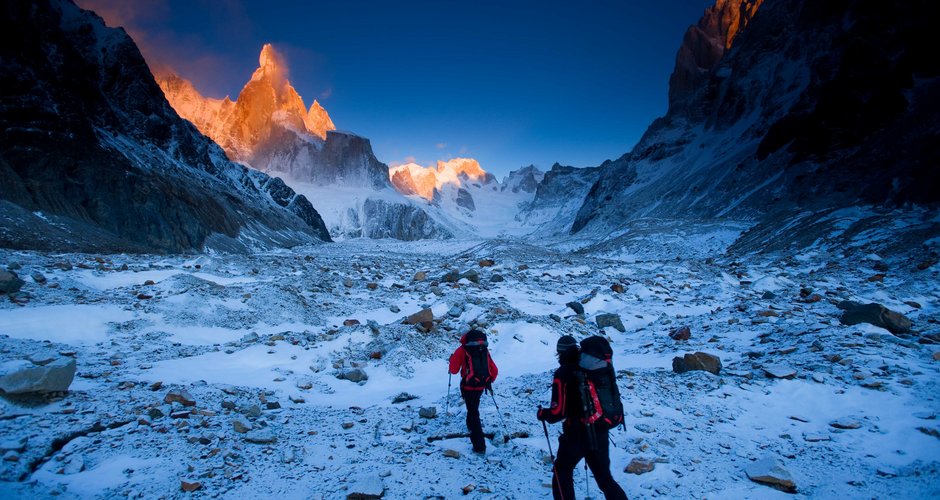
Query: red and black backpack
x=598 y=382
x=477 y=363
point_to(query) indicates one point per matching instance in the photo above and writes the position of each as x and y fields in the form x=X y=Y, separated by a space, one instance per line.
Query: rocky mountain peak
x=705 y=43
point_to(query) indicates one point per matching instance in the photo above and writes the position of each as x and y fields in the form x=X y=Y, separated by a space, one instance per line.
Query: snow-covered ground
x=260 y=339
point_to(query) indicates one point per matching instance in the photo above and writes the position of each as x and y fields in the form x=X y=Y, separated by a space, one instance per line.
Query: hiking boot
x=480 y=451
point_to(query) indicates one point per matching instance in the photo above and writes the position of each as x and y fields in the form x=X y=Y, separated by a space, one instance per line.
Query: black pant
x=573 y=445
x=472 y=399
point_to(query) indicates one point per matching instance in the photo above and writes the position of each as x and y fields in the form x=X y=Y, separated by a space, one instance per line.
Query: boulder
x=450 y=277
x=576 y=307
x=779 y=371
x=351 y=322
x=697 y=361
x=639 y=466
x=769 y=471
x=260 y=436
x=486 y=262
x=366 y=487
x=10 y=282
x=428 y=412
x=681 y=333
x=22 y=376
x=420 y=316
x=497 y=278
x=874 y=314
x=181 y=396
x=241 y=425
x=472 y=275
x=420 y=276
x=611 y=320
x=354 y=375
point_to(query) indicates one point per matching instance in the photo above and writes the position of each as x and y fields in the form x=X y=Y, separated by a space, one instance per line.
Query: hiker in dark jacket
x=477 y=371
x=575 y=442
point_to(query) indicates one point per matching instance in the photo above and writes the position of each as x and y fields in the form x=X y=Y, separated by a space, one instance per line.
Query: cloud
x=441 y=145
x=464 y=151
x=326 y=93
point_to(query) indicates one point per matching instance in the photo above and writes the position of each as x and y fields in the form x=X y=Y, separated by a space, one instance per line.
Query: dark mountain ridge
x=92 y=157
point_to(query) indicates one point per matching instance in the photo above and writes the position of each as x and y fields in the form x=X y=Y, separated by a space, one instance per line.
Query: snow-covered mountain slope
x=460 y=190
x=269 y=129
x=558 y=196
x=781 y=112
x=93 y=157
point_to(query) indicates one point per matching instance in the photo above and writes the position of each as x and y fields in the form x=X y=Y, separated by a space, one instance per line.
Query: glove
x=489 y=389
x=538 y=415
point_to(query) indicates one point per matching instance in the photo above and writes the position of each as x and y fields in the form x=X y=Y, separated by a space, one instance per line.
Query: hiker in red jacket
x=477 y=371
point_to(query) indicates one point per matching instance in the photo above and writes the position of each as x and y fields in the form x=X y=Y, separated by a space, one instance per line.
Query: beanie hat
x=565 y=343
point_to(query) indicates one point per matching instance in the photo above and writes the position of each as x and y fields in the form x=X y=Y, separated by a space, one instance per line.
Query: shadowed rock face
x=809 y=110
x=88 y=140
x=705 y=43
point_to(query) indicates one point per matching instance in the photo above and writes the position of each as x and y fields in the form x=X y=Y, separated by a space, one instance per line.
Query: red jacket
x=460 y=360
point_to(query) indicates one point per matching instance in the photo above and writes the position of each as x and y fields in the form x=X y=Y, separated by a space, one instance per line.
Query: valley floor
x=259 y=340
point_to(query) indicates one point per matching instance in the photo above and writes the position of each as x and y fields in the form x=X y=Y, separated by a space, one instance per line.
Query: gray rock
x=260 y=436
x=38 y=277
x=428 y=412
x=576 y=307
x=241 y=425
x=874 y=314
x=779 y=371
x=21 y=376
x=472 y=275
x=366 y=487
x=610 y=320
x=10 y=282
x=697 y=361
x=354 y=375
x=497 y=278
x=253 y=411
x=769 y=471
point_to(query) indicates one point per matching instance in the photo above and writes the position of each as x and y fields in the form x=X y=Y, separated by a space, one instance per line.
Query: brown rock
x=144 y=296
x=451 y=453
x=420 y=276
x=640 y=466
x=372 y=286
x=681 y=333
x=486 y=263
x=468 y=488
x=181 y=396
x=936 y=356
x=190 y=486
x=418 y=317
x=874 y=314
x=697 y=361
x=351 y=322
x=876 y=278
x=617 y=287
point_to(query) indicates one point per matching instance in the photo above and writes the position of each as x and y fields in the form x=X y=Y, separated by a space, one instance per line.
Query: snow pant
x=472 y=399
x=573 y=445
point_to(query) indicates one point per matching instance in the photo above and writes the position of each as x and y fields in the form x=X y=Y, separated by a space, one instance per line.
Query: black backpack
x=598 y=384
x=478 y=360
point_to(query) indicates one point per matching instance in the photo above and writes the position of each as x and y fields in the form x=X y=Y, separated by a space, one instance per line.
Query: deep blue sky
x=508 y=83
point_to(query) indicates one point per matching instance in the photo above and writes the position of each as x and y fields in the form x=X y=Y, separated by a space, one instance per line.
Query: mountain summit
x=267 y=102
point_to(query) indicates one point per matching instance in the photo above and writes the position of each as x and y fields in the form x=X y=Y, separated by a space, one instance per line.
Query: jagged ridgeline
x=92 y=157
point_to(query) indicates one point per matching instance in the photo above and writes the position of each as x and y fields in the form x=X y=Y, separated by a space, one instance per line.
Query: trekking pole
x=548 y=440
x=447 y=401
x=505 y=429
